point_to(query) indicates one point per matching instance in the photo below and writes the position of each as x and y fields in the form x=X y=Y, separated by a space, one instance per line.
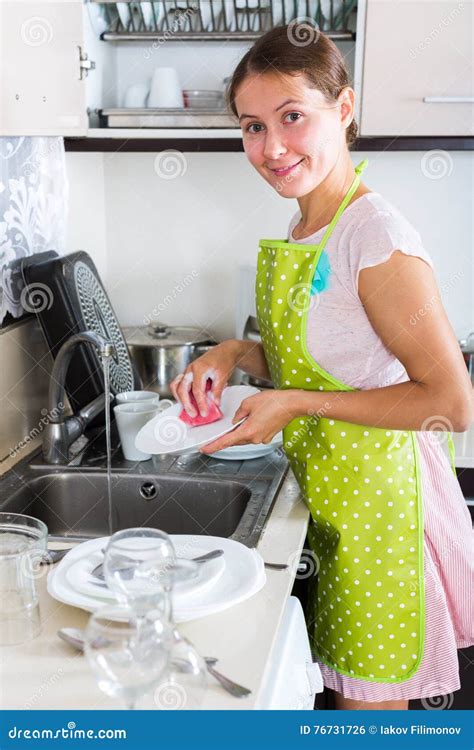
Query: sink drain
x=148 y=490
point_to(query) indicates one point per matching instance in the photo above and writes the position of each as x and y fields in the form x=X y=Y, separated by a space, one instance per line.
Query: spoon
x=75 y=637
x=52 y=556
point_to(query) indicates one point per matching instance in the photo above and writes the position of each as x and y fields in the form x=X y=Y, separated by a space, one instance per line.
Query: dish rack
x=219 y=19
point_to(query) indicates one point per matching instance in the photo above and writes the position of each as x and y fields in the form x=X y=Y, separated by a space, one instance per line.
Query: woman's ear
x=346 y=101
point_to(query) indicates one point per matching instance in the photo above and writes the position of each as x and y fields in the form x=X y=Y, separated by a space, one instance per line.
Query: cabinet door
x=417 y=68
x=41 y=91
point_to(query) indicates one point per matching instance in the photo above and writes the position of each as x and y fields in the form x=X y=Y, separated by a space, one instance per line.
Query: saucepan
x=162 y=352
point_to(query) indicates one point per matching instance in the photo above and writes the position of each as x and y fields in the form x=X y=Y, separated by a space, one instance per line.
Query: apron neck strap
x=355 y=184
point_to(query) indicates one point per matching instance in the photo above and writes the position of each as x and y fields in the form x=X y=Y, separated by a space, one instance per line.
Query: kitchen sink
x=193 y=494
x=77 y=504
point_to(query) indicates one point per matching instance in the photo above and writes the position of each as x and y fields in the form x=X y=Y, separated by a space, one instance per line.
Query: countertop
x=47 y=673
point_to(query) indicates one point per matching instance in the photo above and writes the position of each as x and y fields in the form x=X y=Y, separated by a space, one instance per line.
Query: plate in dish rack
x=166 y=433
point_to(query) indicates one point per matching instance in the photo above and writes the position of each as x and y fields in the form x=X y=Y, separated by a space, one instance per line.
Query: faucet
x=61 y=431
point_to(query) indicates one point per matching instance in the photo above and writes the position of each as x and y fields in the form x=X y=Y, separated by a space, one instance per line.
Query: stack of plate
x=220 y=583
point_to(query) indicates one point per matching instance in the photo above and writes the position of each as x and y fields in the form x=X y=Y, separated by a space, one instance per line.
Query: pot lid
x=160 y=334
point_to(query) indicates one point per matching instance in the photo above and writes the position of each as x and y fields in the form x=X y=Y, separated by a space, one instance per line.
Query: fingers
x=218 y=385
x=174 y=386
x=226 y=441
x=243 y=411
x=184 y=393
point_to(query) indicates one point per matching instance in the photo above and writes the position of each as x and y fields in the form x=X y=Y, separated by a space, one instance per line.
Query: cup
x=136 y=95
x=165 y=89
x=127 y=397
x=130 y=418
x=23 y=543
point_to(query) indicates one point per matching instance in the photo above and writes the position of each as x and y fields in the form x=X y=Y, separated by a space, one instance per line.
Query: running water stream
x=105 y=367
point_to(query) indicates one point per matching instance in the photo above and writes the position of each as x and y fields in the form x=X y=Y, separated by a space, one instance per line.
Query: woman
x=365 y=363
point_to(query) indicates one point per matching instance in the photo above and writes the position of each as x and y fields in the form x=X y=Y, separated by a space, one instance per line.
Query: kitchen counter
x=46 y=673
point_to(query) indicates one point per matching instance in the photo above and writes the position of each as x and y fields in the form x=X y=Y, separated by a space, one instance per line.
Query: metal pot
x=161 y=352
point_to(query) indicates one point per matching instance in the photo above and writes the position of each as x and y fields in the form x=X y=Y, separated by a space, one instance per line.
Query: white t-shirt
x=340 y=336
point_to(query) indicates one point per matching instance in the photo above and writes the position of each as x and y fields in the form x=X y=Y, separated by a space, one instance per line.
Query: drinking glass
x=23 y=543
x=184 y=682
x=128 y=654
x=140 y=567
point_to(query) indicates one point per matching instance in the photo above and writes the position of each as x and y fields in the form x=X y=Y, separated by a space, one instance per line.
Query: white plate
x=244 y=452
x=243 y=576
x=166 y=433
x=78 y=575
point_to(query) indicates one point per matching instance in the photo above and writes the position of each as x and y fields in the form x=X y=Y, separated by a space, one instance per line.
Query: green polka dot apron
x=366 y=611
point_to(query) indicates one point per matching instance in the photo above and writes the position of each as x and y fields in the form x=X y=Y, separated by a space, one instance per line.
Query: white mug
x=130 y=418
x=165 y=89
x=127 y=397
x=136 y=95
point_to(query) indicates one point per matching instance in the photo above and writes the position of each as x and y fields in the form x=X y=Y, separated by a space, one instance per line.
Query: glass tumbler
x=23 y=542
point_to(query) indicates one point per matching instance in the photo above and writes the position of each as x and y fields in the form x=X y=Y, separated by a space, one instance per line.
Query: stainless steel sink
x=190 y=495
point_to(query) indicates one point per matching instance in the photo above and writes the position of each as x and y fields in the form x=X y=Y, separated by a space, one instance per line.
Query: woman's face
x=293 y=136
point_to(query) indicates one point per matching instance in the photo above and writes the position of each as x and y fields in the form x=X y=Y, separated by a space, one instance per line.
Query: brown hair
x=280 y=51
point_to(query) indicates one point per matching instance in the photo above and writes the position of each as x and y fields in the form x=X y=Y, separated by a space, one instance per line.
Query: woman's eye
x=253 y=125
x=295 y=115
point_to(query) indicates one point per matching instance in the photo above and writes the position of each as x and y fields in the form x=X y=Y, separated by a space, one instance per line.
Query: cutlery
x=75 y=637
x=53 y=556
x=98 y=571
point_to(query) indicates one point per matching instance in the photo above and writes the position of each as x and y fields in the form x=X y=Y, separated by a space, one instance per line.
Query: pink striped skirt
x=449 y=586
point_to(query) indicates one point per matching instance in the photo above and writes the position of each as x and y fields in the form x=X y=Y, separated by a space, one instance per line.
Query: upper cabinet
x=412 y=63
x=416 y=68
x=42 y=68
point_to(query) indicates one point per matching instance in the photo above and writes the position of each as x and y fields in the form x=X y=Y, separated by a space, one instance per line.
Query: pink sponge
x=213 y=413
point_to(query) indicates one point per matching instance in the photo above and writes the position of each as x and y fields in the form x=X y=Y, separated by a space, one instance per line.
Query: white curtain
x=33 y=208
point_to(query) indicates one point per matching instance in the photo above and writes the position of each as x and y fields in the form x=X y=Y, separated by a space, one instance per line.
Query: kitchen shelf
x=219 y=20
x=230 y=140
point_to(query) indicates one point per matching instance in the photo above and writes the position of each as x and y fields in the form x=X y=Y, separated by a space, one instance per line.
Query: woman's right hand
x=218 y=364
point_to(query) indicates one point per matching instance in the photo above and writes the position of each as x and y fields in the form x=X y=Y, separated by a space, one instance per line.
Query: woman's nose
x=273 y=147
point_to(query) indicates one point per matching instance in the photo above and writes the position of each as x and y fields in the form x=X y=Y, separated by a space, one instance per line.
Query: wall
x=24 y=377
x=147 y=234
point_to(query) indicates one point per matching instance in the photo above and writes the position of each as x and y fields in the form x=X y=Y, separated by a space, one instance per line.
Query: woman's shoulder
x=377 y=230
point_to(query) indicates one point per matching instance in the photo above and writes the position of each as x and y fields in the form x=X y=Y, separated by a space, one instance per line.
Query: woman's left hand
x=265 y=415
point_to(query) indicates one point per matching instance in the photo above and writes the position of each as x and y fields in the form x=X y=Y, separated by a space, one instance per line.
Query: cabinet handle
x=448 y=99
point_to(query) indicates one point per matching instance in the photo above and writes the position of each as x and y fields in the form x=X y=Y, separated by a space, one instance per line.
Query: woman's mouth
x=282 y=171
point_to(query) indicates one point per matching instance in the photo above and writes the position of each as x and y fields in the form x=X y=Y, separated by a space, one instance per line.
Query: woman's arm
x=250 y=358
x=403 y=304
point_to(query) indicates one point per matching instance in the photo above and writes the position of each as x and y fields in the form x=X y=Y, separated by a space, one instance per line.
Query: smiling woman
x=359 y=390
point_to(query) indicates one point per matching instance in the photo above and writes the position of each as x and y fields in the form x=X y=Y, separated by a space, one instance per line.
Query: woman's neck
x=319 y=206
